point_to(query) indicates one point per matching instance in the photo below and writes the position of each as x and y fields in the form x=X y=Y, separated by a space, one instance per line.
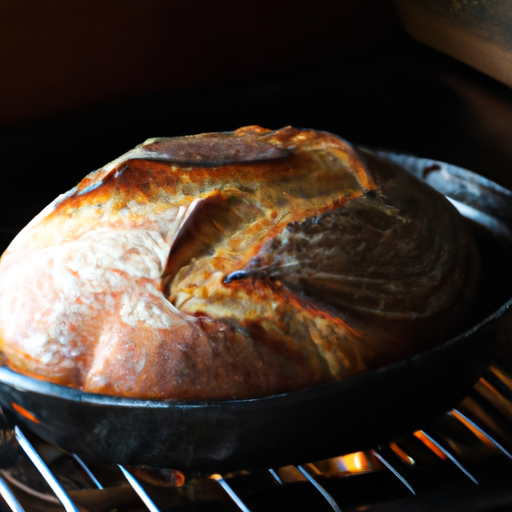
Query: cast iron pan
x=345 y=416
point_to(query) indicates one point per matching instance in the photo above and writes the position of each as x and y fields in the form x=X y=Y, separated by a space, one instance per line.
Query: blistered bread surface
x=233 y=265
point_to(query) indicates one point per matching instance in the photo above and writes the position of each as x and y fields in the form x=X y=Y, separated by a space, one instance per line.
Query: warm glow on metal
x=430 y=445
x=473 y=429
x=26 y=414
x=491 y=394
x=489 y=387
x=357 y=462
x=506 y=379
x=401 y=454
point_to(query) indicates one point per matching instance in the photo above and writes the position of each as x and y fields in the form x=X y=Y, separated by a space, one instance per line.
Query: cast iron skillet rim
x=29 y=384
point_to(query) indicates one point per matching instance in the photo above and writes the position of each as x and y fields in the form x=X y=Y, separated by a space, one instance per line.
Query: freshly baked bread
x=234 y=265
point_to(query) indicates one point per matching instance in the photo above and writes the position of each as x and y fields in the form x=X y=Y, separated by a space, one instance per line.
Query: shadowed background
x=84 y=81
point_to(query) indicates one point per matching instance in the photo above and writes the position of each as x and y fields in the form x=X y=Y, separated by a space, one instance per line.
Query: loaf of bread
x=234 y=265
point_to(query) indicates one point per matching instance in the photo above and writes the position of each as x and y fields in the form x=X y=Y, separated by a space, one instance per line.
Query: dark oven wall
x=74 y=99
x=83 y=82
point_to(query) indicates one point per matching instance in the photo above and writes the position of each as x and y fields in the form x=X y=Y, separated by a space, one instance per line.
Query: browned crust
x=232 y=265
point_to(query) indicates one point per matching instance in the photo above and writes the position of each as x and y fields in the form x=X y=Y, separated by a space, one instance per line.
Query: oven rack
x=463 y=456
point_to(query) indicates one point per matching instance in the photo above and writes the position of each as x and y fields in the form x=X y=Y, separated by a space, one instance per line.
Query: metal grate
x=460 y=462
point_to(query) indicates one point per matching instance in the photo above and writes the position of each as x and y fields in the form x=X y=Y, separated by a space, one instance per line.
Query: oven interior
x=401 y=96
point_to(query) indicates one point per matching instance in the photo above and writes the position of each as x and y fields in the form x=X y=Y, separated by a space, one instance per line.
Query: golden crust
x=233 y=265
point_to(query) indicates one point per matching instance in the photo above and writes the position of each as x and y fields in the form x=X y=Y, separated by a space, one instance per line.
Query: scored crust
x=234 y=265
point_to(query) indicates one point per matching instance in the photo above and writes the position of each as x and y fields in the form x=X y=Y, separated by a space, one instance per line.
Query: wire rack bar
x=321 y=489
x=394 y=471
x=55 y=485
x=454 y=413
x=231 y=493
x=88 y=472
x=450 y=456
x=9 y=497
x=143 y=495
x=277 y=478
